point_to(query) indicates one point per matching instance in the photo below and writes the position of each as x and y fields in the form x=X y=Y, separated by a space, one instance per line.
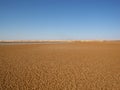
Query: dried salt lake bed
x=68 y=66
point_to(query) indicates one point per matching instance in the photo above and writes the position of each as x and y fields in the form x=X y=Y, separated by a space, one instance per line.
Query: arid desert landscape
x=60 y=66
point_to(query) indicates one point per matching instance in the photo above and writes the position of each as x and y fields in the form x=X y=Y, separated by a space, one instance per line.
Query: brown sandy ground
x=69 y=66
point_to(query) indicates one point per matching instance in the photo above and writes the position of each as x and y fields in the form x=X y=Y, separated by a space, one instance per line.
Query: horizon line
x=54 y=40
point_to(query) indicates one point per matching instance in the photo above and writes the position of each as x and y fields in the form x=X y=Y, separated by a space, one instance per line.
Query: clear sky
x=59 y=19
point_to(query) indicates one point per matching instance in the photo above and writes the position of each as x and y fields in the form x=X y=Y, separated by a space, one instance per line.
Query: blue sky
x=59 y=19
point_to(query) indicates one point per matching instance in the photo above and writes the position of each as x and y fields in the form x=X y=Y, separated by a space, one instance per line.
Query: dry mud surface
x=69 y=66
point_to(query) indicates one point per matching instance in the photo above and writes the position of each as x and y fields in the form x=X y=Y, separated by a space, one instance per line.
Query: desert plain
x=64 y=66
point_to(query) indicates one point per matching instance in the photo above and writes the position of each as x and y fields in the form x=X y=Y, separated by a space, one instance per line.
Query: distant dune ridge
x=78 y=65
x=12 y=42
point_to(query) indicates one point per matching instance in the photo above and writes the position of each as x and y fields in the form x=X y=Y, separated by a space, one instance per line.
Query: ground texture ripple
x=69 y=66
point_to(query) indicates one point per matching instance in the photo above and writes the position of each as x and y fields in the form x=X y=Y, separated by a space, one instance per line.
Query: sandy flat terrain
x=68 y=66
